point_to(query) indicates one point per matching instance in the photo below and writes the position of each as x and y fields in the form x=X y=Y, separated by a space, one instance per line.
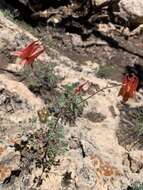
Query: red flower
x=129 y=87
x=29 y=53
x=79 y=88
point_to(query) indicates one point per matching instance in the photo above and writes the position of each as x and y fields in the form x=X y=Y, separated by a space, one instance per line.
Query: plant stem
x=102 y=89
x=58 y=118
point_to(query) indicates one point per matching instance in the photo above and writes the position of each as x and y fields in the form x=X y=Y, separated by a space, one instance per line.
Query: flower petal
x=35 y=54
x=27 y=51
x=23 y=62
x=129 y=87
x=79 y=88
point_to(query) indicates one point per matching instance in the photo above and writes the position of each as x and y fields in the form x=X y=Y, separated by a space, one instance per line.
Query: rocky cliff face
x=132 y=10
x=95 y=159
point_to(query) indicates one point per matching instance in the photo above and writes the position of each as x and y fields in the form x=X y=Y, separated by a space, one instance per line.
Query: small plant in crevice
x=15 y=16
x=69 y=103
x=41 y=78
x=49 y=141
x=8 y=14
x=41 y=148
x=105 y=71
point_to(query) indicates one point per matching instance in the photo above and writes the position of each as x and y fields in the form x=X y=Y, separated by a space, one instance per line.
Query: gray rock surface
x=9 y=161
x=132 y=10
x=105 y=165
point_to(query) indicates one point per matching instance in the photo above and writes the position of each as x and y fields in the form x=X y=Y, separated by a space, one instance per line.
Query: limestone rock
x=9 y=161
x=132 y=10
x=103 y=165
x=86 y=178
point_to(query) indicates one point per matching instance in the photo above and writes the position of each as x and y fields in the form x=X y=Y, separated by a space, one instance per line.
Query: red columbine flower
x=79 y=88
x=129 y=87
x=29 y=53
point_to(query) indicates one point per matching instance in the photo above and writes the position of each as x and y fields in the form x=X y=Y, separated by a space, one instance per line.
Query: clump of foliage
x=70 y=104
x=105 y=71
x=13 y=15
x=41 y=147
x=44 y=145
x=41 y=78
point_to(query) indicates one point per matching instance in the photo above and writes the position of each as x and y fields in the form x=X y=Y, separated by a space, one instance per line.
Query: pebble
x=24 y=139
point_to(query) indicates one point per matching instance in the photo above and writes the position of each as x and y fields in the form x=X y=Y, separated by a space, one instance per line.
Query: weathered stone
x=88 y=148
x=76 y=40
x=132 y=10
x=86 y=178
x=95 y=117
x=9 y=161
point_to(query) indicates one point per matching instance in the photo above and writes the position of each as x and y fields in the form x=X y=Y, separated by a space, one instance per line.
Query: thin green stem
x=102 y=89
